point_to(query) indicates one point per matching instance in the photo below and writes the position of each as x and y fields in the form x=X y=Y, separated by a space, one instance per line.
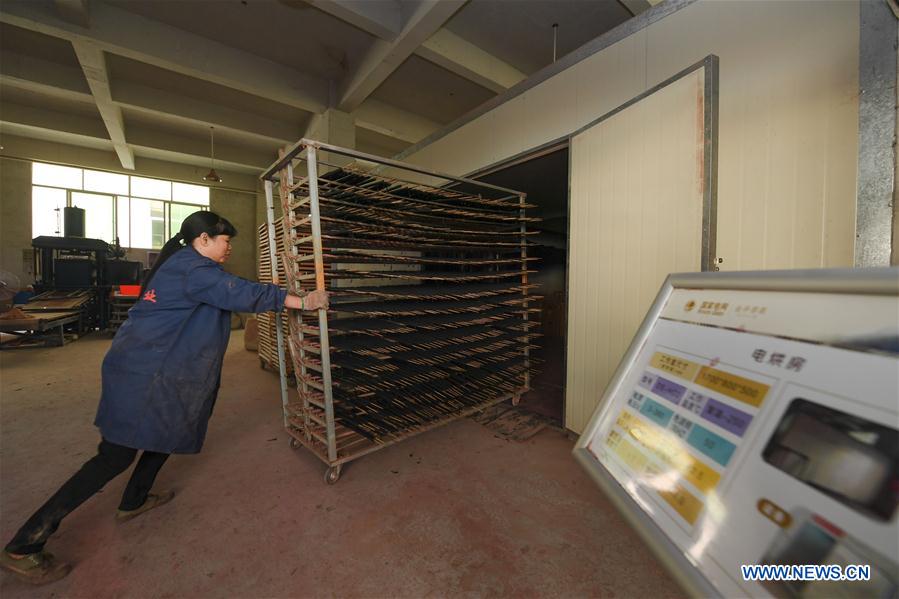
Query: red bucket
x=129 y=290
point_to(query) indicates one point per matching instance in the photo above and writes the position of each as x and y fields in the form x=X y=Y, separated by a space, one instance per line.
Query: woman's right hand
x=316 y=300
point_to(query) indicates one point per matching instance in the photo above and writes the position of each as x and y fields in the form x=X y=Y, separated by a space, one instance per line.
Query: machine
x=79 y=274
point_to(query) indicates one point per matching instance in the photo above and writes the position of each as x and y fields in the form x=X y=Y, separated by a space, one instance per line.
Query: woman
x=160 y=381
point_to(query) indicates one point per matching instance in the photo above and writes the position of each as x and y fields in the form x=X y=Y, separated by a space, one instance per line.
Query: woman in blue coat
x=160 y=381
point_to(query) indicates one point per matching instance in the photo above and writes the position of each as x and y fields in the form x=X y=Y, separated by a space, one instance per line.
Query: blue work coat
x=162 y=373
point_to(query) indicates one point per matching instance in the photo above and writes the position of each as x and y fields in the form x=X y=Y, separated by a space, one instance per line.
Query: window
x=56 y=176
x=147 y=223
x=151 y=188
x=177 y=214
x=98 y=215
x=46 y=210
x=140 y=211
x=105 y=182
x=123 y=220
x=190 y=194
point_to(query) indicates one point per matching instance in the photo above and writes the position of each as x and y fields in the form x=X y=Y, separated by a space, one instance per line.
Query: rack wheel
x=516 y=399
x=294 y=444
x=332 y=475
x=261 y=363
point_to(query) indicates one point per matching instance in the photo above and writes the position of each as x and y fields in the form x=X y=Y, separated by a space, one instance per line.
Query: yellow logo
x=713 y=308
x=690 y=305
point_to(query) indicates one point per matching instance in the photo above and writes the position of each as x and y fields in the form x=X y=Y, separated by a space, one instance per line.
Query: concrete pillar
x=16 y=255
x=333 y=127
x=238 y=207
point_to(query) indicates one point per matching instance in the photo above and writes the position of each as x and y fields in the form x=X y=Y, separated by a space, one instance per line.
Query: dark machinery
x=70 y=267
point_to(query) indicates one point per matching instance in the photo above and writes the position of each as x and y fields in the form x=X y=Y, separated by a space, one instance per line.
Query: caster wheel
x=294 y=444
x=262 y=364
x=516 y=399
x=332 y=475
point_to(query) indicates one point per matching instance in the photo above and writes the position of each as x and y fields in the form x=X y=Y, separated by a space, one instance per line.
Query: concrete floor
x=451 y=512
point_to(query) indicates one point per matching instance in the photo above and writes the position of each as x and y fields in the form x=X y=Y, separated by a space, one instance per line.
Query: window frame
x=112 y=198
x=167 y=204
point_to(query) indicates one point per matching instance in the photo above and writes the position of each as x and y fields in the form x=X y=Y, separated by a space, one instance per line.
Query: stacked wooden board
x=430 y=317
x=268 y=339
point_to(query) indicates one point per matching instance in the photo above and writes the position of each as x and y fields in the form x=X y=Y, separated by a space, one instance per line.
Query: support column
x=334 y=127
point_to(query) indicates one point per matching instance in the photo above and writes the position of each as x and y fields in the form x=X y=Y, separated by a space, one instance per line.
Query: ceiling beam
x=444 y=48
x=190 y=159
x=93 y=63
x=74 y=11
x=43 y=75
x=62 y=81
x=61 y=127
x=9 y=131
x=635 y=7
x=53 y=120
x=127 y=34
x=195 y=150
x=67 y=82
x=388 y=120
x=467 y=60
x=383 y=58
x=52 y=79
x=383 y=19
x=9 y=81
x=183 y=110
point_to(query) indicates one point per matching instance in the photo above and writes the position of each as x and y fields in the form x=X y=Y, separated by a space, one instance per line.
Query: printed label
x=663 y=447
x=684 y=502
x=635 y=400
x=701 y=476
x=668 y=389
x=656 y=412
x=736 y=387
x=681 y=426
x=676 y=366
x=712 y=445
x=695 y=402
x=647 y=380
x=728 y=418
x=631 y=456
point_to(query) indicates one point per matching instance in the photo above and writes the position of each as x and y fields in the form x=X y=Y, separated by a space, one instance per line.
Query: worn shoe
x=35 y=568
x=153 y=500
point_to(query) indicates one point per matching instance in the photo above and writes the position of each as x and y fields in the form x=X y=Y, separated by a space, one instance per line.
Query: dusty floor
x=451 y=512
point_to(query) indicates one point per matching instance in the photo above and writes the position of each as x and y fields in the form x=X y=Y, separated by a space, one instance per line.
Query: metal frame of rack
x=371 y=223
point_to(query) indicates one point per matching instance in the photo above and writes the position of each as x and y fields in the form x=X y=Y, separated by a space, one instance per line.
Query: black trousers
x=110 y=461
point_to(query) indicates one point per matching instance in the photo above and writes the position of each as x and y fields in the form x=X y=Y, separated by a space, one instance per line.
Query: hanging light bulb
x=212 y=176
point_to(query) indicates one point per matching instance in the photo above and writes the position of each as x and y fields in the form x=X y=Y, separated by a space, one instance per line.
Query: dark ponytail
x=193 y=226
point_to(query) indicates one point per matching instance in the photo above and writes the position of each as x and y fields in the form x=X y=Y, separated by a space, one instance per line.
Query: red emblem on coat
x=150 y=296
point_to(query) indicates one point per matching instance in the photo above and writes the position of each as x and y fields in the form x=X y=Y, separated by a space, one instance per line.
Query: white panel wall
x=788 y=126
x=636 y=215
x=788 y=123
